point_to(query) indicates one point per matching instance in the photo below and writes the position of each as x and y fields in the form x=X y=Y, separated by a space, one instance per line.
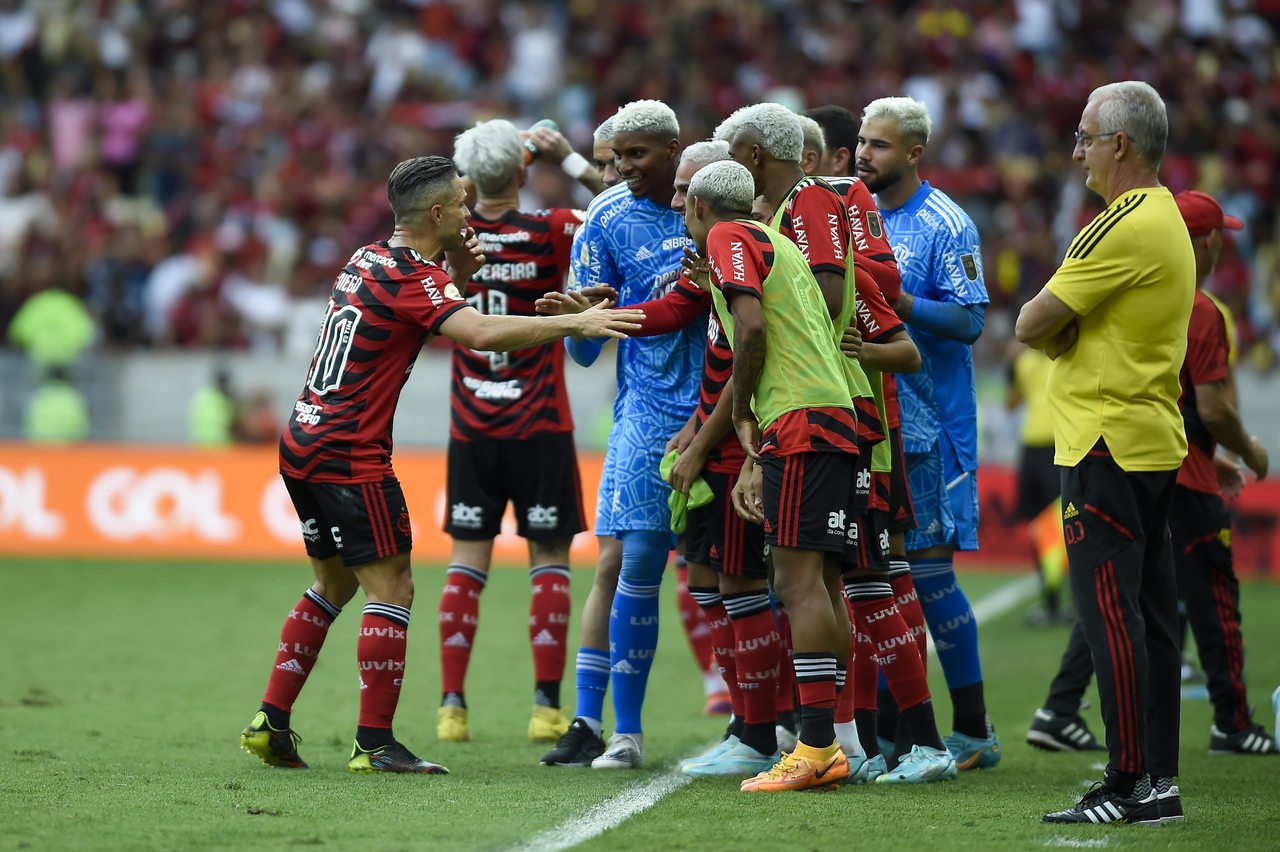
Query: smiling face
x=884 y=155
x=646 y=163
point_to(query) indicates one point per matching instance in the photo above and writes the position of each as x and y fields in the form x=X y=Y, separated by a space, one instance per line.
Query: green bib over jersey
x=802 y=365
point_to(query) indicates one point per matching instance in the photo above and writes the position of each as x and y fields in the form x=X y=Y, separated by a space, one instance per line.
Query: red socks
x=895 y=649
x=380 y=652
x=300 y=641
x=909 y=605
x=722 y=642
x=548 y=621
x=459 y=615
x=694 y=621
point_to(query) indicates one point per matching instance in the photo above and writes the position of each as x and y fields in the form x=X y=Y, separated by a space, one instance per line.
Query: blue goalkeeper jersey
x=635 y=245
x=940 y=258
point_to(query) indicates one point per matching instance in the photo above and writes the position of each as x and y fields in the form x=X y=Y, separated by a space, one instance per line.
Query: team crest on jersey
x=874 y=226
x=970 y=266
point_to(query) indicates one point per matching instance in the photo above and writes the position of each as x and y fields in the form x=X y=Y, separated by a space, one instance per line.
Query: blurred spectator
x=53 y=327
x=214 y=414
x=201 y=164
x=259 y=423
x=57 y=412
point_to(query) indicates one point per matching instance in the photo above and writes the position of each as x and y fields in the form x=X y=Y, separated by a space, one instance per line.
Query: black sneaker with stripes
x=1168 y=800
x=1103 y=805
x=1252 y=740
x=1052 y=732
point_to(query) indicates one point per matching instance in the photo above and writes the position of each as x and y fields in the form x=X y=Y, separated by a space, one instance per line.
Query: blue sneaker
x=921 y=766
x=739 y=759
x=886 y=746
x=973 y=753
x=865 y=770
x=713 y=752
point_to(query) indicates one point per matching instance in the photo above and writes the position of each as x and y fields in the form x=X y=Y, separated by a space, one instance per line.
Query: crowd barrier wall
x=124 y=501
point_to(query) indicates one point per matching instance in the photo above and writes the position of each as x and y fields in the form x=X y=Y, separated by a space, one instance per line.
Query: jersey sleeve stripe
x=1097 y=224
x=1084 y=249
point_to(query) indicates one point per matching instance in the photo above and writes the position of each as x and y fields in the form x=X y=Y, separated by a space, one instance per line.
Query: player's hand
x=467 y=260
x=681 y=440
x=686 y=469
x=1230 y=477
x=561 y=304
x=747 y=494
x=696 y=268
x=1063 y=340
x=851 y=342
x=599 y=321
x=749 y=436
x=1257 y=459
x=551 y=144
x=598 y=293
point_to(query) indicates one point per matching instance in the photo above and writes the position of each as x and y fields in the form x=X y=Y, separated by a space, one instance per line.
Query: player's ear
x=673 y=149
x=914 y=154
x=840 y=160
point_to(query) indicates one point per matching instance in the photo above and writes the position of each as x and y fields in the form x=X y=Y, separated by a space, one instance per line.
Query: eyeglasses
x=1084 y=140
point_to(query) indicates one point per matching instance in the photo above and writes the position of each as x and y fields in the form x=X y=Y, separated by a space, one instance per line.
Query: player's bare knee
x=549 y=552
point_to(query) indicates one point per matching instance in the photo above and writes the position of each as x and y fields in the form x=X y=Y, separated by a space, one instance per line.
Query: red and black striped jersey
x=385 y=303
x=521 y=393
x=870 y=241
x=813 y=217
x=728 y=455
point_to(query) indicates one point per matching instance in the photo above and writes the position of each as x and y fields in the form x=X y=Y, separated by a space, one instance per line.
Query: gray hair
x=1138 y=110
x=777 y=127
x=912 y=115
x=650 y=117
x=725 y=186
x=814 y=138
x=604 y=133
x=490 y=154
x=705 y=153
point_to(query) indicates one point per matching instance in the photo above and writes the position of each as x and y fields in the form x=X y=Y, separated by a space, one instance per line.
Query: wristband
x=575 y=165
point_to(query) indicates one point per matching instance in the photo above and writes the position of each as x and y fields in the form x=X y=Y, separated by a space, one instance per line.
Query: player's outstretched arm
x=555 y=149
x=475 y=330
x=951 y=320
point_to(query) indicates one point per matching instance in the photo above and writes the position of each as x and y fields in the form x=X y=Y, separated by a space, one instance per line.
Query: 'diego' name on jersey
x=526 y=271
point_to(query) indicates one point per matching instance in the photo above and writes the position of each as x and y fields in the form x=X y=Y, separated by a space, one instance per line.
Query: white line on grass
x=608 y=814
x=1076 y=843
x=613 y=812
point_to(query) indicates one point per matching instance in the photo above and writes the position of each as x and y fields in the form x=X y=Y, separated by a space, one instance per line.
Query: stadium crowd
x=192 y=172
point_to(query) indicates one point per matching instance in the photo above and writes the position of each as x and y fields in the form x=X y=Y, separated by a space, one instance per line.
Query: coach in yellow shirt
x=1114 y=317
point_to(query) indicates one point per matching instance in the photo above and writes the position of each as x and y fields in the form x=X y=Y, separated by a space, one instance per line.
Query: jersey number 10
x=493 y=303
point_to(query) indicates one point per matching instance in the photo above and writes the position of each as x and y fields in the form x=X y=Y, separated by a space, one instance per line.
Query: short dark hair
x=415 y=184
x=839 y=126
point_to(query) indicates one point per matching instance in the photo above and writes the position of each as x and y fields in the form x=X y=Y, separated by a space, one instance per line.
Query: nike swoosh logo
x=822 y=772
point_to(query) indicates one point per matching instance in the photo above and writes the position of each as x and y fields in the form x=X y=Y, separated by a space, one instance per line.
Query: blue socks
x=592 y=679
x=633 y=623
x=950 y=619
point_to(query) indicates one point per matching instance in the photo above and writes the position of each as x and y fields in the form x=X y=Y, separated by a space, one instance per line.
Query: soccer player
x=633 y=240
x=871 y=250
x=511 y=439
x=1199 y=523
x=814 y=144
x=1114 y=317
x=335 y=452
x=602 y=153
x=794 y=417
x=943 y=303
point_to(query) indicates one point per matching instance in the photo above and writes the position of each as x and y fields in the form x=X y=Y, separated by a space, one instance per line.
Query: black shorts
x=806 y=500
x=716 y=535
x=538 y=475
x=859 y=500
x=1200 y=526
x=1039 y=482
x=362 y=522
x=902 y=514
x=869 y=544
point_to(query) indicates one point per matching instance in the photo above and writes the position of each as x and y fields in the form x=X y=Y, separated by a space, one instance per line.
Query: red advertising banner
x=111 y=500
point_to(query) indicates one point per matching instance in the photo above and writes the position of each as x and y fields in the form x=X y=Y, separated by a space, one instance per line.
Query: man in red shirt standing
x=335 y=452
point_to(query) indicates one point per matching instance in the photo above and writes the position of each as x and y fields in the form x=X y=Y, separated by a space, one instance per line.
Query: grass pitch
x=125 y=687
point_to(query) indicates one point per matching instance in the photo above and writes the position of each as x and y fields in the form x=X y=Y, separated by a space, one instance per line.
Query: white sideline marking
x=613 y=812
x=1001 y=601
x=608 y=814
x=1077 y=843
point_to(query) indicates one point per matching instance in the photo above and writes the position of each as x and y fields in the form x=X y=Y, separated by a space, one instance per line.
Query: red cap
x=1203 y=213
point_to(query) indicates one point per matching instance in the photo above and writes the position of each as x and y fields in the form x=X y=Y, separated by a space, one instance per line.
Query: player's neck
x=778 y=180
x=893 y=197
x=1128 y=179
x=426 y=245
x=495 y=206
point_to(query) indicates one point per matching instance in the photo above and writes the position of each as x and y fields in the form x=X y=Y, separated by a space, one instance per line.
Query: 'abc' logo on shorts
x=541 y=517
x=463 y=515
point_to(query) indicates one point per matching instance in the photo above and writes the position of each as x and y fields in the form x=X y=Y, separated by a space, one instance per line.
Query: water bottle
x=531 y=151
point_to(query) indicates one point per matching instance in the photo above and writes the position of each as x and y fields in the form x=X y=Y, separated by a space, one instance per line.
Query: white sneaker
x=786 y=739
x=739 y=760
x=625 y=751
